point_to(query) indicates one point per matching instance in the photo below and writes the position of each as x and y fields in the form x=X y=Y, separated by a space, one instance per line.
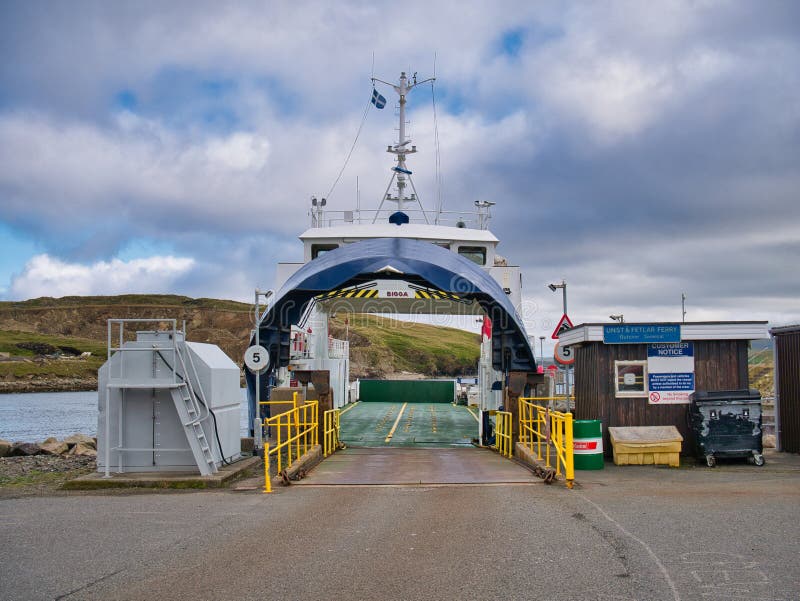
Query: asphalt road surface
x=623 y=534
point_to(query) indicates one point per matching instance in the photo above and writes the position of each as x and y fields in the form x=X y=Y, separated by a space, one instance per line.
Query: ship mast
x=401 y=174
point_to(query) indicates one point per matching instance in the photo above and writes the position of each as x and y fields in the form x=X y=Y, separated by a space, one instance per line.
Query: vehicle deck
x=408 y=425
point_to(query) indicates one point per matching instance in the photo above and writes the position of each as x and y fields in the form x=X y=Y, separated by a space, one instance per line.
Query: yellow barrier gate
x=502 y=433
x=539 y=426
x=330 y=431
x=295 y=433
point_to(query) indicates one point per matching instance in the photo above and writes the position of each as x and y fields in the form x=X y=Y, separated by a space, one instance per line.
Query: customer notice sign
x=670 y=372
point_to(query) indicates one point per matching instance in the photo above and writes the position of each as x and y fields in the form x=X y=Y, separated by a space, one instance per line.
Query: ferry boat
x=398 y=258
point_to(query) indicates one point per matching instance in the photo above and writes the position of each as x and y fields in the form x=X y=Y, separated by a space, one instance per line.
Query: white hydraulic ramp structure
x=166 y=404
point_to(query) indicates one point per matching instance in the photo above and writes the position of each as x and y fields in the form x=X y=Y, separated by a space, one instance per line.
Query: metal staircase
x=189 y=414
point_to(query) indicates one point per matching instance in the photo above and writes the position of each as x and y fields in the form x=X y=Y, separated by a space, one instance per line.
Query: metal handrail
x=334 y=217
x=301 y=426
x=330 y=432
x=121 y=349
x=192 y=395
x=553 y=401
x=502 y=433
x=540 y=426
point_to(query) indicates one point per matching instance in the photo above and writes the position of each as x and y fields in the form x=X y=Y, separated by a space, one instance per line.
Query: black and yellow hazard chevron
x=349 y=293
x=435 y=295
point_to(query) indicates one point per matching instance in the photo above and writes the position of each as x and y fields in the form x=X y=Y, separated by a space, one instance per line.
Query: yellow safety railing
x=540 y=427
x=295 y=432
x=554 y=400
x=502 y=433
x=330 y=431
x=293 y=401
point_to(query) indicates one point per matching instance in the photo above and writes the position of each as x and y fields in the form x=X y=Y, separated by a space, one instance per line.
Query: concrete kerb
x=167 y=480
x=777 y=464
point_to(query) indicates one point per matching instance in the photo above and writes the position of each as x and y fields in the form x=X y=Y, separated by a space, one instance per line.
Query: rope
x=352 y=148
x=438 y=177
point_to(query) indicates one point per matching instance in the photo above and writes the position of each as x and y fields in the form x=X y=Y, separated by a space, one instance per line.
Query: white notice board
x=670 y=372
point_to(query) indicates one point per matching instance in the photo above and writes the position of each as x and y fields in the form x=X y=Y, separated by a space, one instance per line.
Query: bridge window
x=321 y=249
x=476 y=254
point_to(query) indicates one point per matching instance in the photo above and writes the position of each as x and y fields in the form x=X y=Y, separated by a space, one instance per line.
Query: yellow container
x=646 y=445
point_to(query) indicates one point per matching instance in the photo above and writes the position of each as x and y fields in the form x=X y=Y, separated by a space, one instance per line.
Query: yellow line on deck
x=397 y=421
x=475 y=415
x=348 y=409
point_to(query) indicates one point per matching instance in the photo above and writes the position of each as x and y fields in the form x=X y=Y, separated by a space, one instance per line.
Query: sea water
x=34 y=416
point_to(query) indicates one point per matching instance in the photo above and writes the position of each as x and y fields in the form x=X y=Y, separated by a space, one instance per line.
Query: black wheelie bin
x=727 y=423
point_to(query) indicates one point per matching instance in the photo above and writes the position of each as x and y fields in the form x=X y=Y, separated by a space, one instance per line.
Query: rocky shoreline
x=39 y=384
x=39 y=468
x=78 y=445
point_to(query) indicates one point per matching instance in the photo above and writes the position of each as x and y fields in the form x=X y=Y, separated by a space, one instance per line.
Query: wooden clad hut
x=641 y=374
x=787 y=387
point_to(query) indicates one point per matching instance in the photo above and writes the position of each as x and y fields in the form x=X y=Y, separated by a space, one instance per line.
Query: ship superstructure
x=409 y=278
x=464 y=233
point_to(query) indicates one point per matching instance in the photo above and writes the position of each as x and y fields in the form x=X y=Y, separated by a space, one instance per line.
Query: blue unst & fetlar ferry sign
x=641 y=333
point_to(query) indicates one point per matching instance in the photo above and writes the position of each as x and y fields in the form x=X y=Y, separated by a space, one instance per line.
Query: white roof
x=713 y=330
x=418 y=231
x=213 y=356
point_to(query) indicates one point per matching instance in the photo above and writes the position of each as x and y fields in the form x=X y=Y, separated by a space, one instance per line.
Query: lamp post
x=619 y=318
x=683 y=307
x=541 y=349
x=563 y=287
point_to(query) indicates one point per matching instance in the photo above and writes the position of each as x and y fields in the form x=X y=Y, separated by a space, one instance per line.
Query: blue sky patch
x=142 y=248
x=125 y=100
x=16 y=249
x=184 y=98
x=511 y=42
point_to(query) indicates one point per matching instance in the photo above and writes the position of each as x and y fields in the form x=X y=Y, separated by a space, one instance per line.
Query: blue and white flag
x=377 y=99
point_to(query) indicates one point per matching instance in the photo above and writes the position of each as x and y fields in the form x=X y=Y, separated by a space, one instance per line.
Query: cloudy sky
x=637 y=150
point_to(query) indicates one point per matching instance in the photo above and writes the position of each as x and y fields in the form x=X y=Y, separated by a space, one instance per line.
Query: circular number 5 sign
x=564 y=354
x=256 y=358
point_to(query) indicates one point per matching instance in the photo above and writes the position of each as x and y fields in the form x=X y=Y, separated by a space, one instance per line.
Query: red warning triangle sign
x=564 y=324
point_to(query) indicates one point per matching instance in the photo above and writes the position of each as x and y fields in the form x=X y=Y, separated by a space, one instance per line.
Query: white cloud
x=73 y=175
x=622 y=133
x=44 y=275
x=239 y=152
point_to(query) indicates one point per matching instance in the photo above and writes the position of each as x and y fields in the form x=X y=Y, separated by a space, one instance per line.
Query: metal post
x=568 y=368
x=258 y=342
x=258 y=440
x=775 y=385
x=267 y=481
x=401 y=184
x=108 y=434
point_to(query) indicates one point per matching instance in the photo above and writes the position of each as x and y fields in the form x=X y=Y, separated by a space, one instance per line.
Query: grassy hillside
x=29 y=366
x=80 y=324
x=379 y=346
x=761 y=367
x=131 y=300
